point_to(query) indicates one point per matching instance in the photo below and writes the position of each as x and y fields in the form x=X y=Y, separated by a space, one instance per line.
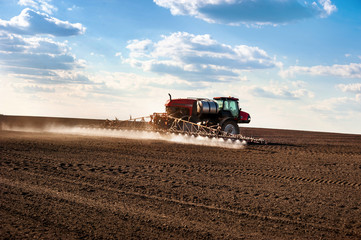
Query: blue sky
x=293 y=64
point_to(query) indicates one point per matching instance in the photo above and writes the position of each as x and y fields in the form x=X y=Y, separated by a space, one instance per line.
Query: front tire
x=230 y=127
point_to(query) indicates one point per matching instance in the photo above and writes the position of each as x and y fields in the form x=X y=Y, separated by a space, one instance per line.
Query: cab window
x=231 y=106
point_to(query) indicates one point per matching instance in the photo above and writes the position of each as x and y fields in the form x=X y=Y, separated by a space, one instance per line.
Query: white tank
x=207 y=106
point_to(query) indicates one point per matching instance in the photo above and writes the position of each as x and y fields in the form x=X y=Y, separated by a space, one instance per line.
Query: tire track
x=251 y=172
x=60 y=229
x=302 y=179
x=310 y=148
x=119 y=206
x=247 y=171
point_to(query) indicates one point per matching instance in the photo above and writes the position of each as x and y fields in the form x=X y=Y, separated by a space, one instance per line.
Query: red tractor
x=222 y=112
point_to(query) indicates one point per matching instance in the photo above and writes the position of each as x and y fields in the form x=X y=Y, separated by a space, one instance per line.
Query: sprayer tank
x=207 y=106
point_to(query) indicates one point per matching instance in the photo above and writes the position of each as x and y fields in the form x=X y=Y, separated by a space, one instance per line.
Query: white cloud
x=249 y=11
x=11 y=43
x=119 y=55
x=197 y=57
x=30 y=22
x=338 y=107
x=328 y=7
x=280 y=91
x=42 y=5
x=34 y=88
x=74 y=7
x=26 y=54
x=131 y=82
x=353 y=87
x=37 y=59
x=139 y=48
x=50 y=77
x=352 y=70
x=107 y=94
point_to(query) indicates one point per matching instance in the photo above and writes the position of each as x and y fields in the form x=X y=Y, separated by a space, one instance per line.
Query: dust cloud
x=135 y=134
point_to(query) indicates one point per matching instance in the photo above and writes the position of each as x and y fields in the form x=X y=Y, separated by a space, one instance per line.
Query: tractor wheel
x=230 y=127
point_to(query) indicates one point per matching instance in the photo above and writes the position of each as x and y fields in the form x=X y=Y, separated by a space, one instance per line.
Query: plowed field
x=303 y=185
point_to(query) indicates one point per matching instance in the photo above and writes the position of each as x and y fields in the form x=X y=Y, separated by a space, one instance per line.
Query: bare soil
x=302 y=185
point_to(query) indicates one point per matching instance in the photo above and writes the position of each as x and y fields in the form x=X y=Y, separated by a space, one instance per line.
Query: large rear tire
x=230 y=127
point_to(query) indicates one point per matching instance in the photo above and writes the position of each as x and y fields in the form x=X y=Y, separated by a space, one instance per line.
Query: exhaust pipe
x=170 y=97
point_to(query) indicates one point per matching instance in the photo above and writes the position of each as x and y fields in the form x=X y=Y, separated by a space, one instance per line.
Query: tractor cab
x=228 y=106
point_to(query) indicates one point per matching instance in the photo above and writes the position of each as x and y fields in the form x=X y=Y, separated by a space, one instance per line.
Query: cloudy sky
x=293 y=64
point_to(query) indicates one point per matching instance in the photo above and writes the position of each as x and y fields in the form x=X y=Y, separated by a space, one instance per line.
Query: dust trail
x=135 y=134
